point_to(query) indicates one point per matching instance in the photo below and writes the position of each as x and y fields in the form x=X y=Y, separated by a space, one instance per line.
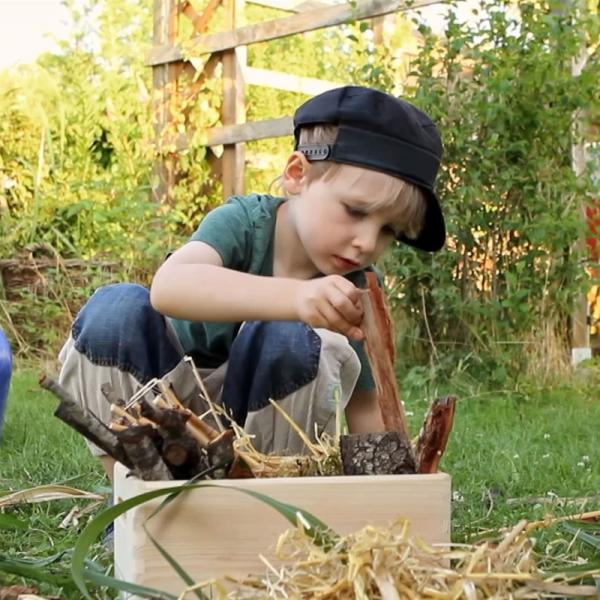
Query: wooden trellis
x=168 y=62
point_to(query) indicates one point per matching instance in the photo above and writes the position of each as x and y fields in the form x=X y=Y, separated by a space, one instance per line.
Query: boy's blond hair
x=405 y=196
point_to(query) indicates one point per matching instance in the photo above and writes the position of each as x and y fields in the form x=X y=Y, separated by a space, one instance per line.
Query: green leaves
x=501 y=88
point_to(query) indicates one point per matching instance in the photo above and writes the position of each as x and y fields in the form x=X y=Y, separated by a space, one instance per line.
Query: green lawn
x=506 y=450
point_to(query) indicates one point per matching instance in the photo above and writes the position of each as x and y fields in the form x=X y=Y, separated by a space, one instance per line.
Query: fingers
x=332 y=302
x=346 y=302
x=334 y=320
x=342 y=310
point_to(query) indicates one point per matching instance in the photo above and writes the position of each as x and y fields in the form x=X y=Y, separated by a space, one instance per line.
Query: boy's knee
x=274 y=359
x=269 y=359
x=119 y=327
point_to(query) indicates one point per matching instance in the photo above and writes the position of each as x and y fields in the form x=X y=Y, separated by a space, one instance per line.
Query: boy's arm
x=193 y=284
x=363 y=414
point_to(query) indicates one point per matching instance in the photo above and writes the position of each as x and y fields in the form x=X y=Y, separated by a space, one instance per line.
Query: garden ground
x=514 y=454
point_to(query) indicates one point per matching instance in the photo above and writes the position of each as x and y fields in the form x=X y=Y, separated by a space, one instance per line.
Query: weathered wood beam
x=233 y=110
x=200 y=21
x=164 y=80
x=278 y=28
x=246 y=132
x=290 y=83
x=291 y=5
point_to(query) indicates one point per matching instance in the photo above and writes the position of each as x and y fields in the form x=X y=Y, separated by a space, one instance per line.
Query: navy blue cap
x=381 y=132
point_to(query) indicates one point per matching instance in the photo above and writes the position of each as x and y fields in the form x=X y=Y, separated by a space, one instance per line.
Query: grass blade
x=176 y=566
x=315 y=528
x=14 y=566
x=46 y=493
x=321 y=533
x=131 y=588
x=587 y=538
x=95 y=528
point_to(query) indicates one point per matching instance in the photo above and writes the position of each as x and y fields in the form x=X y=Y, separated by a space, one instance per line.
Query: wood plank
x=200 y=21
x=246 y=132
x=292 y=5
x=233 y=111
x=287 y=82
x=164 y=80
x=234 y=530
x=580 y=322
x=278 y=28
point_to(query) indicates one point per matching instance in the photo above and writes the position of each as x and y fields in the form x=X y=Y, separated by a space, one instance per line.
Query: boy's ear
x=295 y=174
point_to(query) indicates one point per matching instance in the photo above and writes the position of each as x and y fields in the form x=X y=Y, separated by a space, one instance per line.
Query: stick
x=84 y=421
x=140 y=448
x=211 y=407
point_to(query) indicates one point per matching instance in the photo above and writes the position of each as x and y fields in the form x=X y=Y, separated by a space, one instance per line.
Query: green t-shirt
x=242 y=231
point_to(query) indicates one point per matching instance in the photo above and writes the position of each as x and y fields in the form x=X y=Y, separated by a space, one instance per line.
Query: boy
x=289 y=269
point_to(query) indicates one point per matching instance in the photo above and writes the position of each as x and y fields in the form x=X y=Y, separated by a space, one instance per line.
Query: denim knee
x=269 y=359
x=119 y=327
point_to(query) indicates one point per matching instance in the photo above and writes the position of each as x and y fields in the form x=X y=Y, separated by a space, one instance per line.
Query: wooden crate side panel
x=217 y=531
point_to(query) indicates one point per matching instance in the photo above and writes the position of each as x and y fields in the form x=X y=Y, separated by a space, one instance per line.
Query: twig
x=587 y=516
x=433 y=348
x=210 y=403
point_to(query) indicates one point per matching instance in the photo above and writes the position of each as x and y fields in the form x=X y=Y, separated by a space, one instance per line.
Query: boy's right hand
x=331 y=302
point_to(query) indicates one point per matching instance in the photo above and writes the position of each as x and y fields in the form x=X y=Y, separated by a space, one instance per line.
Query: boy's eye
x=354 y=212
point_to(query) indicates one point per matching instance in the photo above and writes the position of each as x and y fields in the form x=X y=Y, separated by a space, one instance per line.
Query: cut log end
x=382 y=453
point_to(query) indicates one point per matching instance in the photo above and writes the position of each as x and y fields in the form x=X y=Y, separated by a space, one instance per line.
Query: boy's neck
x=289 y=255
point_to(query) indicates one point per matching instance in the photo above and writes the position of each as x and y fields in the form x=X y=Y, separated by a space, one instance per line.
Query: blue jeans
x=118 y=327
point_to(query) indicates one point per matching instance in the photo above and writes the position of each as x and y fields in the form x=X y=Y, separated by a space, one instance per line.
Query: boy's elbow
x=157 y=295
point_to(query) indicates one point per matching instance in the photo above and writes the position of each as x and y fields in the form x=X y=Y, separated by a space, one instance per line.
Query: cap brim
x=433 y=235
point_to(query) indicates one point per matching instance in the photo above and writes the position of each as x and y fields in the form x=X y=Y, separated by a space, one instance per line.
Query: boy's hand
x=331 y=302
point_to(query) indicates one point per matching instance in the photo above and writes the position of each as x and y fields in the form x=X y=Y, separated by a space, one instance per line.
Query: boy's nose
x=365 y=239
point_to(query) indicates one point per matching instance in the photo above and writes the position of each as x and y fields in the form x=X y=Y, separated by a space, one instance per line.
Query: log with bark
x=392 y=452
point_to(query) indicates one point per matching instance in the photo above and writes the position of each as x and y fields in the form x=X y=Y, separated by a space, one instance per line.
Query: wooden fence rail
x=170 y=58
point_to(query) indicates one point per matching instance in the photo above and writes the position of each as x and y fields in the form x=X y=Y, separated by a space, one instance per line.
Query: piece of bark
x=85 y=422
x=434 y=434
x=382 y=453
x=139 y=445
x=169 y=420
x=379 y=341
x=221 y=454
x=240 y=469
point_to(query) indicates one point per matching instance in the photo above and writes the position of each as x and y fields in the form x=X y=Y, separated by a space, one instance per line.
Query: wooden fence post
x=234 y=102
x=580 y=320
x=165 y=29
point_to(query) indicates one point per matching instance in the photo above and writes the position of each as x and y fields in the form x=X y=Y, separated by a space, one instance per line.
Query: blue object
x=5 y=375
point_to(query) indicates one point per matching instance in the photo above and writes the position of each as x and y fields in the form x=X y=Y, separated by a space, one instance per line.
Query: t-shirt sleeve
x=228 y=230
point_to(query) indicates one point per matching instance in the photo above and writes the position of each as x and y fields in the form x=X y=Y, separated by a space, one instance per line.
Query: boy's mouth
x=345 y=263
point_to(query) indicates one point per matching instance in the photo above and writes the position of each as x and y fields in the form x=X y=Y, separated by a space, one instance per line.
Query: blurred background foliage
x=77 y=150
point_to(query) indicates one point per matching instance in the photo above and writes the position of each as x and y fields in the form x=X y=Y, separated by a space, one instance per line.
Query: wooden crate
x=217 y=531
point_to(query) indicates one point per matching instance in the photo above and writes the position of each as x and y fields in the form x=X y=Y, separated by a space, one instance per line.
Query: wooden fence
x=168 y=61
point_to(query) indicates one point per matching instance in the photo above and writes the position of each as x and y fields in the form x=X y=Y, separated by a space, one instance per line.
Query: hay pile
x=387 y=564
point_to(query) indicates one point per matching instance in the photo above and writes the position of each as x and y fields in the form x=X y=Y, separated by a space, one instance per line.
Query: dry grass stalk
x=388 y=564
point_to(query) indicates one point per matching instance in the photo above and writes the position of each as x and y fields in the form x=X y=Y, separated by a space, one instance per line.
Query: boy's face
x=339 y=222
